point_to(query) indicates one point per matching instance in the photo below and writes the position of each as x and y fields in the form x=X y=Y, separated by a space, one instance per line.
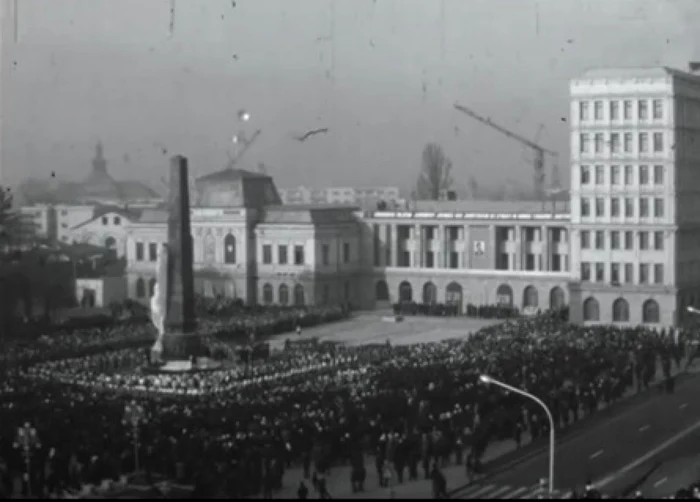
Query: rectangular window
x=377 y=246
x=629 y=207
x=599 y=142
x=629 y=240
x=629 y=273
x=117 y=220
x=627 y=109
x=658 y=175
x=643 y=273
x=346 y=252
x=658 y=273
x=453 y=233
x=599 y=239
x=153 y=251
x=585 y=271
x=658 y=207
x=585 y=207
x=267 y=254
x=643 y=207
x=282 y=258
x=599 y=175
x=503 y=262
x=614 y=110
x=643 y=109
x=643 y=241
x=585 y=239
x=585 y=175
x=658 y=142
x=529 y=261
x=615 y=273
x=629 y=175
x=615 y=207
x=105 y=220
x=615 y=239
x=658 y=109
x=659 y=241
x=600 y=272
x=615 y=142
x=599 y=207
x=615 y=175
x=139 y=251
x=585 y=143
x=584 y=112
x=643 y=175
x=628 y=142
x=298 y=255
x=325 y=254
x=429 y=259
x=454 y=259
x=643 y=142
x=556 y=263
x=598 y=110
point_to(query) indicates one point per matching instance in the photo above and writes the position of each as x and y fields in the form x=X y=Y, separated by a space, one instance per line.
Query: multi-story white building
x=635 y=154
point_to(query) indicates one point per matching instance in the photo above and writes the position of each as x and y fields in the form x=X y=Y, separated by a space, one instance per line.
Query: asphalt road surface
x=603 y=450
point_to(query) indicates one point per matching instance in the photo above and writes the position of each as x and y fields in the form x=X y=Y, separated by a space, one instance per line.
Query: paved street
x=677 y=466
x=608 y=446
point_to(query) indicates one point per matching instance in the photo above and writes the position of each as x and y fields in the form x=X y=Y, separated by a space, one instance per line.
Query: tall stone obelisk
x=179 y=340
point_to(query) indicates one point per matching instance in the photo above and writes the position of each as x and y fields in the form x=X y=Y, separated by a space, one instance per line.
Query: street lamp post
x=134 y=414
x=28 y=440
x=488 y=380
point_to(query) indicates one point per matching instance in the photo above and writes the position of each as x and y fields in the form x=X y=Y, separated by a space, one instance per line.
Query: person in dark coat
x=303 y=491
x=439 y=482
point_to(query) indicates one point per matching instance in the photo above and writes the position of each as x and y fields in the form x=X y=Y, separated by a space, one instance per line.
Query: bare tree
x=434 y=178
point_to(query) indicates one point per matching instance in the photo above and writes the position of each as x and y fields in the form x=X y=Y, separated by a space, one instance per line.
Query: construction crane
x=539 y=151
x=246 y=145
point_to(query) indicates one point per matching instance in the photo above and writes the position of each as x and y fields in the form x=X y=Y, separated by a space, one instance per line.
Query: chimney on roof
x=694 y=66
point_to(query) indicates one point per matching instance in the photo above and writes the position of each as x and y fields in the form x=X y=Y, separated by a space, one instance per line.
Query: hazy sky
x=382 y=75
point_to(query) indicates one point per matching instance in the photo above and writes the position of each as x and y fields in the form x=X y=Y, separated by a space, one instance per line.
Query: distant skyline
x=381 y=75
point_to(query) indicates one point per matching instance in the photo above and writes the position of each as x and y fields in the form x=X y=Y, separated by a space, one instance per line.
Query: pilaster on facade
x=518 y=265
x=546 y=233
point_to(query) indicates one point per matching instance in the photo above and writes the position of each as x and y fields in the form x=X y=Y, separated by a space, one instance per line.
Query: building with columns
x=623 y=250
x=479 y=252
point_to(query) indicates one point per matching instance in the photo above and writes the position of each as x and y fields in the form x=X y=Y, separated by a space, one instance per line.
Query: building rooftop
x=97 y=185
x=130 y=214
x=230 y=174
x=638 y=72
x=317 y=214
x=486 y=206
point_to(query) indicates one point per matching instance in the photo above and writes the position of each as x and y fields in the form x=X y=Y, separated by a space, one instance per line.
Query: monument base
x=201 y=365
x=178 y=346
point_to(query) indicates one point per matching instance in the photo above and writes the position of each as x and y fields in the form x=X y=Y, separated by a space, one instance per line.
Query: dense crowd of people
x=416 y=407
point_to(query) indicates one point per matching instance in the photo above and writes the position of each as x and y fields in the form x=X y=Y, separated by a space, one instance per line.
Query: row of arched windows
x=268 y=295
x=454 y=292
x=621 y=311
x=141 y=288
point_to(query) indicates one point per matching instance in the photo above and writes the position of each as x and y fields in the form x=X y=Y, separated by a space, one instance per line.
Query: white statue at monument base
x=158 y=303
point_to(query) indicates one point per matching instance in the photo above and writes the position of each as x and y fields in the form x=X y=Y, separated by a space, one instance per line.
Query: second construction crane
x=540 y=152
